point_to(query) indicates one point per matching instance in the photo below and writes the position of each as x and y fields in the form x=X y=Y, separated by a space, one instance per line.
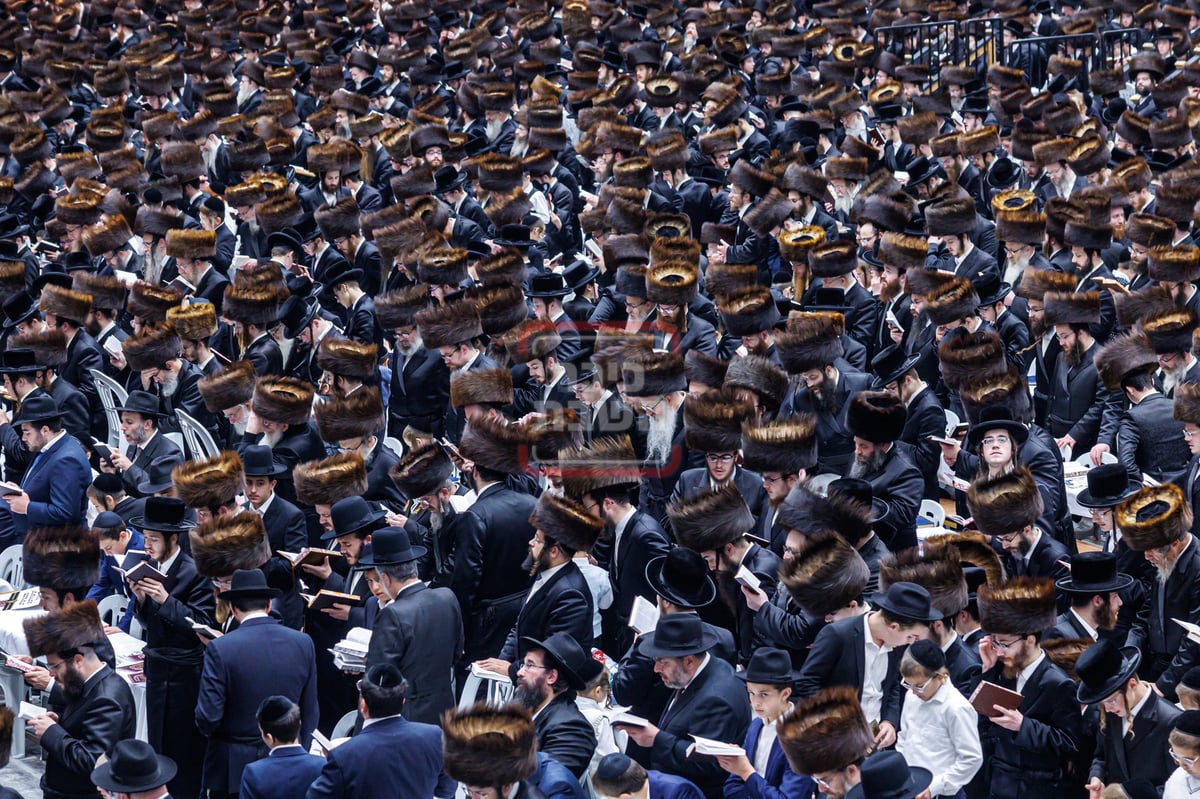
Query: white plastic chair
x=820 y=483
x=933 y=511
x=112 y=608
x=952 y=421
x=394 y=445
x=11 y=569
x=199 y=441
x=344 y=726
x=498 y=692
x=112 y=396
x=1085 y=460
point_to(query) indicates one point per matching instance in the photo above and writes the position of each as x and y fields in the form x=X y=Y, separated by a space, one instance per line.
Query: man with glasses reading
x=1008 y=508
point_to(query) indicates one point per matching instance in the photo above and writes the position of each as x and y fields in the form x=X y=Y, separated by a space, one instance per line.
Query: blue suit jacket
x=780 y=782
x=390 y=758
x=56 y=483
x=669 y=786
x=286 y=773
x=111 y=582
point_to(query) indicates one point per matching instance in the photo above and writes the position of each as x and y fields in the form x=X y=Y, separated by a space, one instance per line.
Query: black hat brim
x=102 y=777
x=1131 y=658
x=1119 y=583
x=374 y=518
x=654 y=576
x=1018 y=431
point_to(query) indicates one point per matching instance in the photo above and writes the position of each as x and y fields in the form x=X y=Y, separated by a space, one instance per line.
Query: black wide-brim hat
x=678 y=635
x=390 y=546
x=664 y=572
x=908 y=601
x=162 y=515
x=551 y=285
x=769 y=666
x=1094 y=573
x=1102 y=669
x=158 y=476
x=133 y=768
x=564 y=653
x=891 y=364
x=351 y=515
x=41 y=408
x=259 y=461
x=1108 y=485
x=296 y=313
x=141 y=402
x=996 y=417
x=249 y=584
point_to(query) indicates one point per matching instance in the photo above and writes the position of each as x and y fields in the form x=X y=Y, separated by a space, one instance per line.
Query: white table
x=12 y=640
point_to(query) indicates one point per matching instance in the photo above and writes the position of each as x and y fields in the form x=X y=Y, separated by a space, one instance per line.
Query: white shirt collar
x=1092 y=631
x=368 y=722
x=1027 y=672
x=166 y=565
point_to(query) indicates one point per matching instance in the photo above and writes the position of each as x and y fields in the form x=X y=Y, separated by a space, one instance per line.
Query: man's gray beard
x=857 y=128
x=239 y=427
x=436 y=520
x=168 y=386
x=414 y=345
x=520 y=147
x=1168 y=566
x=872 y=465
x=152 y=268
x=1064 y=184
x=272 y=439
x=493 y=128
x=659 y=437
x=1014 y=269
x=844 y=202
x=244 y=93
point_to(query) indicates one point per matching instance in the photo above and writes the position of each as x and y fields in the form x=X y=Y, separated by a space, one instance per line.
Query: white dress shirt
x=766 y=739
x=1027 y=672
x=1181 y=786
x=942 y=735
x=875 y=667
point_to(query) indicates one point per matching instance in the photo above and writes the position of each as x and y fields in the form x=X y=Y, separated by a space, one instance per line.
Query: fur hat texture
x=195 y=244
x=566 y=521
x=1036 y=283
x=942 y=577
x=1187 y=403
x=196 y=321
x=228 y=543
x=973 y=549
x=481 y=387
x=826 y=731
x=228 y=388
x=1019 y=606
x=108 y=235
x=108 y=293
x=653 y=374
x=152 y=346
x=1072 y=309
x=672 y=283
x=703 y=369
x=811 y=341
x=783 y=445
x=1126 y=355
x=709 y=520
x=1005 y=504
x=968 y=358
x=954 y=301
x=326 y=481
x=760 y=375
x=60 y=557
x=284 y=400
x=49 y=346
x=399 y=308
x=713 y=421
x=496 y=446
x=347 y=357
x=876 y=416
x=749 y=311
x=482 y=745
x=150 y=303
x=253 y=305
x=209 y=483
x=422 y=471
x=950 y=217
x=65 y=303
x=358 y=415
x=826 y=576
x=1154 y=517
x=449 y=324
x=62 y=630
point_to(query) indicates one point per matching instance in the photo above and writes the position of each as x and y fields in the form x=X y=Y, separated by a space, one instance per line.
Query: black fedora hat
x=891 y=364
x=996 y=417
x=18 y=308
x=133 y=767
x=579 y=274
x=286 y=239
x=887 y=775
x=141 y=402
x=259 y=461
x=448 y=178
x=1094 y=573
x=549 y=285
x=296 y=312
x=341 y=272
x=163 y=515
x=20 y=359
x=566 y=656
x=1103 y=668
x=681 y=577
x=352 y=515
x=990 y=288
x=1108 y=485
x=769 y=666
x=908 y=601
x=514 y=236
x=37 y=409
x=390 y=546
x=1004 y=173
x=249 y=584
x=678 y=635
x=158 y=475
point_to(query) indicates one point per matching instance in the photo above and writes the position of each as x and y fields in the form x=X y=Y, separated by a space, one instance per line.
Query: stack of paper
x=350 y=654
x=321 y=746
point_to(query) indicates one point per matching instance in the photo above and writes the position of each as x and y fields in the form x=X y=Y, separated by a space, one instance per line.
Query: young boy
x=1185 y=751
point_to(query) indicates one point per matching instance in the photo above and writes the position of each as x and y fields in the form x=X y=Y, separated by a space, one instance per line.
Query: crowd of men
x=613 y=357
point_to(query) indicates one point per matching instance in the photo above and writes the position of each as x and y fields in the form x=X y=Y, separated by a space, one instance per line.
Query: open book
x=28 y=599
x=714 y=748
x=144 y=570
x=314 y=557
x=327 y=599
x=28 y=710
x=1192 y=630
x=749 y=579
x=322 y=746
x=643 y=618
x=202 y=629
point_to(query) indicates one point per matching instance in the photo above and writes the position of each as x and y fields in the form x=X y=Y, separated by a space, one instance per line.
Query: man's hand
x=117 y=359
x=254 y=424
x=323 y=571
x=396 y=520
x=42 y=723
x=19 y=503
x=1095 y=787
x=1065 y=441
x=118 y=459
x=1008 y=719
x=737 y=765
x=950 y=453
x=110 y=630
x=38 y=678
x=153 y=589
x=987 y=653
x=494 y=665
x=1098 y=453
x=754 y=599
x=4 y=417
x=642 y=736
x=339 y=612
x=886 y=736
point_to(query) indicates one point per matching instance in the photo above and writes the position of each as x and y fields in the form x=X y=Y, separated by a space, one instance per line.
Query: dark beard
x=530 y=696
x=826 y=395
x=535 y=566
x=1106 y=619
x=72 y=684
x=1037 y=327
x=1011 y=672
x=1073 y=357
x=1023 y=547
x=888 y=290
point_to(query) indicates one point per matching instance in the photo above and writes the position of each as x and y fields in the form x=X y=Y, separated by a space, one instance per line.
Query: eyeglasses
x=990 y=440
x=723 y=457
x=1004 y=647
x=589 y=508
x=1186 y=762
x=1189 y=433
x=1008 y=538
x=355 y=448
x=769 y=480
x=652 y=408
x=916 y=689
x=527 y=666
x=633 y=306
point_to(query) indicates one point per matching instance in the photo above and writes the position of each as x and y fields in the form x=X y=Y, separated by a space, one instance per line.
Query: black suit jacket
x=420 y=393
x=1046 y=561
x=642 y=540
x=964 y=665
x=1081 y=405
x=564 y=733
x=749 y=485
x=1067 y=626
x=1166 y=651
x=896 y=492
x=925 y=418
x=380 y=487
x=491 y=541
x=421 y=633
x=1145 y=753
x=714 y=705
x=159 y=446
x=1150 y=440
x=265 y=354
x=562 y=604
x=73 y=405
x=838 y=657
x=835 y=445
x=361 y=324
x=87 y=728
x=763 y=564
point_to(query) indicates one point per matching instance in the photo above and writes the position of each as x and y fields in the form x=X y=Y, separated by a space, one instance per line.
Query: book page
x=644 y=616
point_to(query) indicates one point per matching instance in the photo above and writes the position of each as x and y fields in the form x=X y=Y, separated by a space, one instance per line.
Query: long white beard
x=413 y=346
x=659 y=437
x=844 y=203
x=244 y=93
x=272 y=439
x=857 y=128
x=168 y=386
x=493 y=129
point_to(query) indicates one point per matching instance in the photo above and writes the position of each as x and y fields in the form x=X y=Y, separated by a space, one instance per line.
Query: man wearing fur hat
x=1024 y=749
x=1155 y=522
x=194 y=251
x=784 y=453
x=715 y=523
x=492 y=752
x=1008 y=508
x=670 y=288
x=1080 y=411
x=876 y=421
x=827 y=736
x=454 y=330
x=91 y=708
x=835 y=264
x=281 y=409
x=66 y=311
x=713 y=427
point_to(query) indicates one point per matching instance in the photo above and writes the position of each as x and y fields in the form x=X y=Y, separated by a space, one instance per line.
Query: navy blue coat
x=87 y=728
x=780 y=782
x=669 y=786
x=56 y=482
x=391 y=757
x=111 y=582
x=286 y=773
x=260 y=658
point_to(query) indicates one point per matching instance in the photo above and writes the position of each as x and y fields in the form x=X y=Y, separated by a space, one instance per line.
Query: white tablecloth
x=12 y=640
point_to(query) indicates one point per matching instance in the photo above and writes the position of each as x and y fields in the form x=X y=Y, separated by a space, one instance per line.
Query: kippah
x=1191 y=678
x=108 y=483
x=928 y=654
x=1189 y=722
x=385 y=675
x=108 y=519
x=215 y=204
x=613 y=766
x=274 y=708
